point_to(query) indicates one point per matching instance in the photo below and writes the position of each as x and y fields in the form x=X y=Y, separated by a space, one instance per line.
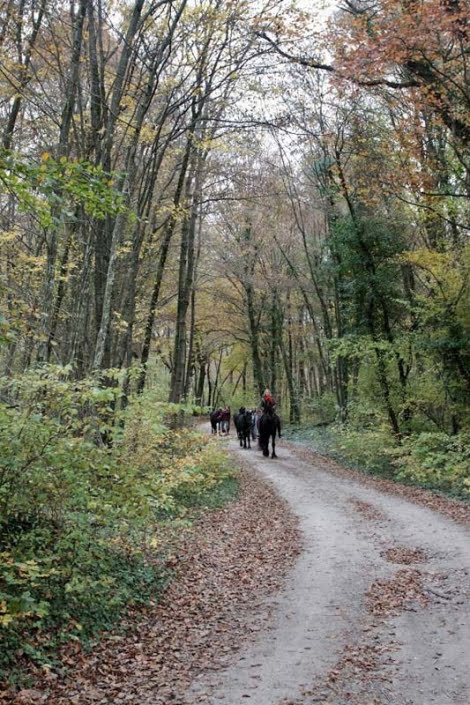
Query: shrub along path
x=225 y=566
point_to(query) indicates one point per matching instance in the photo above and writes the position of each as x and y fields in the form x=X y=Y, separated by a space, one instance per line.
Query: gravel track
x=376 y=609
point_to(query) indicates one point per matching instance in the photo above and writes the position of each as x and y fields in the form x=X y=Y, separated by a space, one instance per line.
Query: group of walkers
x=251 y=424
x=220 y=421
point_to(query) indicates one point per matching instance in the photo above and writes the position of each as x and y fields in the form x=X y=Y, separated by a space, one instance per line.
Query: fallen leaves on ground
x=225 y=567
x=403 y=591
x=404 y=555
x=359 y=661
x=360 y=676
x=367 y=510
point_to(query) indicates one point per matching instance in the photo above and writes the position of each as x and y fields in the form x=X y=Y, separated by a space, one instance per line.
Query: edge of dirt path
x=226 y=566
x=457 y=510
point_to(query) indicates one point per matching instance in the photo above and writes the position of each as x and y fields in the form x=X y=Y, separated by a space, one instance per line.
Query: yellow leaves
x=33 y=263
x=446 y=278
x=147 y=134
x=124 y=250
x=7 y=236
x=441 y=272
x=167 y=464
x=28 y=568
x=6 y=619
x=127 y=102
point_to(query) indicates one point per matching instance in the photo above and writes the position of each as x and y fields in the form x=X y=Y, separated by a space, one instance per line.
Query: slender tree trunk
x=164 y=248
x=255 y=352
x=53 y=303
x=7 y=137
x=185 y=282
x=190 y=369
x=274 y=342
x=210 y=401
x=199 y=396
x=294 y=407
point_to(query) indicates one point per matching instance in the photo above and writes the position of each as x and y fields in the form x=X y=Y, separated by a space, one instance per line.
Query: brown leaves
x=359 y=677
x=30 y=696
x=232 y=559
x=367 y=510
x=358 y=660
x=404 y=555
x=404 y=591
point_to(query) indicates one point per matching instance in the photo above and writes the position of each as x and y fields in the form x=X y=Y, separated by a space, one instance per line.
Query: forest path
x=376 y=609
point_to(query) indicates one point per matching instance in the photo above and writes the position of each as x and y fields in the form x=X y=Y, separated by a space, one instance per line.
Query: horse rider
x=268 y=403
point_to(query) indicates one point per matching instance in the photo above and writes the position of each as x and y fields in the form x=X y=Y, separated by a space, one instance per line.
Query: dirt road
x=375 y=611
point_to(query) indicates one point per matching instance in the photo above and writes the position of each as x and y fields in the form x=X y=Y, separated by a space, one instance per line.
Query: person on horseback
x=268 y=403
x=268 y=425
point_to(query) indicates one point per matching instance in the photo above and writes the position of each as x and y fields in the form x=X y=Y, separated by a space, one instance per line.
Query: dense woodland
x=202 y=198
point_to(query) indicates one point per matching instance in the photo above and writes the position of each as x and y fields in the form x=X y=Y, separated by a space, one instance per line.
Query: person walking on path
x=225 y=420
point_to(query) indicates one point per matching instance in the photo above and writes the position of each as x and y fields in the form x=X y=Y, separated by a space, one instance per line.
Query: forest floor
x=318 y=585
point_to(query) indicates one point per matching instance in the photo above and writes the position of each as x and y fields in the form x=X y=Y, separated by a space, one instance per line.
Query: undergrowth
x=91 y=499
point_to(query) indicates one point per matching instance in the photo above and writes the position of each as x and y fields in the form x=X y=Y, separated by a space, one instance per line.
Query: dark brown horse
x=243 y=422
x=215 y=420
x=269 y=424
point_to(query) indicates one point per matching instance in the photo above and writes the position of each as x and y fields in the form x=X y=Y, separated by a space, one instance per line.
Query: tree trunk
x=164 y=248
x=185 y=282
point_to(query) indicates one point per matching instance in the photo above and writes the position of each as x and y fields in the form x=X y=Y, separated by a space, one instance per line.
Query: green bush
x=369 y=449
x=321 y=409
x=86 y=496
x=435 y=460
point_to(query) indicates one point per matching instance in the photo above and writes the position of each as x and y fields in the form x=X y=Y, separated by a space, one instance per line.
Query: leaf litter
x=404 y=555
x=225 y=569
x=367 y=510
x=405 y=590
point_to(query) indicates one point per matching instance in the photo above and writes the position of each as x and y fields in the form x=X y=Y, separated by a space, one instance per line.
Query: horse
x=215 y=420
x=243 y=421
x=269 y=423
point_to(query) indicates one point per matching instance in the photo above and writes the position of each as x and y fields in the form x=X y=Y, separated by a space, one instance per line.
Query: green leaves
x=358 y=347
x=52 y=190
x=79 y=519
x=435 y=460
x=18 y=580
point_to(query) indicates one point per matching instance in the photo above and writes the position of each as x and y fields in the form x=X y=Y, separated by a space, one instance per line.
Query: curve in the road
x=324 y=644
